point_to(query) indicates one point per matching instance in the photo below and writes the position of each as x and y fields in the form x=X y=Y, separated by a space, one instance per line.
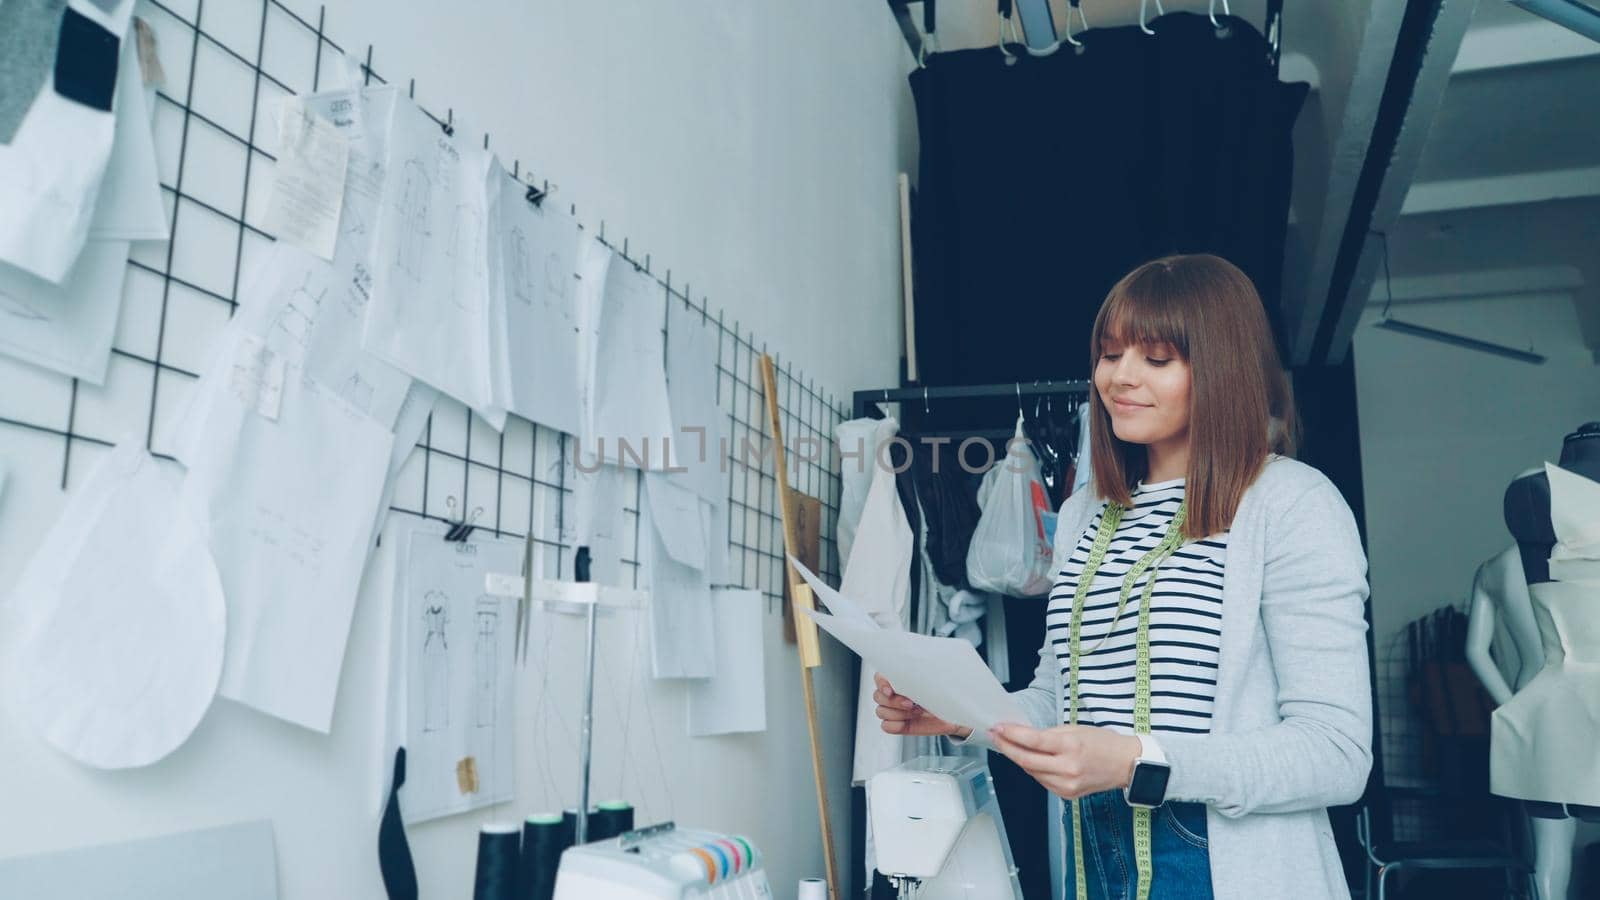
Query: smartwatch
x=1147 y=785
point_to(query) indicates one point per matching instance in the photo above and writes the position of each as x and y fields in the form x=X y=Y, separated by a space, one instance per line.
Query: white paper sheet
x=680 y=607
x=123 y=619
x=455 y=672
x=291 y=506
x=596 y=521
x=944 y=675
x=234 y=862
x=534 y=289
x=594 y=261
x=692 y=393
x=675 y=515
x=632 y=415
x=735 y=698
x=129 y=207
x=428 y=314
x=66 y=327
x=308 y=180
x=51 y=172
x=845 y=609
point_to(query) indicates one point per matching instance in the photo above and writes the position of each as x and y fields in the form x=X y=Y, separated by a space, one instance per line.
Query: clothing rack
x=864 y=403
x=921 y=43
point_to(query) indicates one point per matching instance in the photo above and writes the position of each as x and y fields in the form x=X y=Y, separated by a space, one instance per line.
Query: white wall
x=751 y=148
x=1444 y=430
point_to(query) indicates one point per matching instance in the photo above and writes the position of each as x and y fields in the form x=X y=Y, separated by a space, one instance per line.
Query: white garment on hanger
x=878 y=571
x=1080 y=475
x=862 y=436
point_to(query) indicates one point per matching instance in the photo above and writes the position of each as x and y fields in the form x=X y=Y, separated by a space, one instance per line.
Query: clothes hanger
x=1159 y=13
x=1077 y=6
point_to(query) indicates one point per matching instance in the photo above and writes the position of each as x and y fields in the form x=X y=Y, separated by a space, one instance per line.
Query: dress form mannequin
x=1528 y=516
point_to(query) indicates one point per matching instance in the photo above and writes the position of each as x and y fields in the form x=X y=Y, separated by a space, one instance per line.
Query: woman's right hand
x=901 y=715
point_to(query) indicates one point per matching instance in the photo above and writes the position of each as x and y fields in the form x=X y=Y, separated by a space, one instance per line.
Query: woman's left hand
x=1070 y=760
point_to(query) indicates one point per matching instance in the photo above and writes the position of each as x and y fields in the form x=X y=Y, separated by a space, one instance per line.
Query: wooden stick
x=805 y=629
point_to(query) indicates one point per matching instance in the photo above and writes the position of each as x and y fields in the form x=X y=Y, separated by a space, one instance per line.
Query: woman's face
x=1146 y=388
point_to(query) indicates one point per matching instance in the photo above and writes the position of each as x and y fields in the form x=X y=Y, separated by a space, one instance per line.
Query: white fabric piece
x=735 y=699
x=51 y=172
x=1575 y=515
x=428 y=314
x=66 y=327
x=534 y=296
x=863 y=437
x=999 y=653
x=878 y=574
x=123 y=620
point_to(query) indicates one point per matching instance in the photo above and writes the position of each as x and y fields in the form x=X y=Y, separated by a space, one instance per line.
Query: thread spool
x=610 y=819
x=544 y=837
x=499 y=845
x=569 y=821
x=812 y=889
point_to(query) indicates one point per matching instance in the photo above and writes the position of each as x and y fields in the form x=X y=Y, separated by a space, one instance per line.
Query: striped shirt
x=1185 y=621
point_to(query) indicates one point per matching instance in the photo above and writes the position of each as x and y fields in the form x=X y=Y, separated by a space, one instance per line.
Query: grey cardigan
x=1291 y=727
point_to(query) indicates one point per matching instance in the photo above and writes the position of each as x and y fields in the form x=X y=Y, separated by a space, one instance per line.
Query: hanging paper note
x=308 y=184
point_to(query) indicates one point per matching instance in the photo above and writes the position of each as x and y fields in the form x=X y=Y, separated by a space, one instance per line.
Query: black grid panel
x=226 y=65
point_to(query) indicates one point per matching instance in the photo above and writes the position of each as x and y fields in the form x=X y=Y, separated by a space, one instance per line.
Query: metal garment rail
x=454 y=440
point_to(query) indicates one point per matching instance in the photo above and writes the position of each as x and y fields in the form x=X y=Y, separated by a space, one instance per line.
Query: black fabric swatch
x=394 y=852
x=86 y=61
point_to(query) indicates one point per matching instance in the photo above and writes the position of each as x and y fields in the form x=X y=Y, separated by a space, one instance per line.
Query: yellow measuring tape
x=1109 y=520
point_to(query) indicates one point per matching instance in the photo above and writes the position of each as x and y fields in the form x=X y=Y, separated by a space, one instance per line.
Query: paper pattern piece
x=50 y=172
x=455 y=672
x=291 y=505
x=1575 y=517
x=123 y=620
x=129 y=207
x=943 y=675
x=234 y=862
x=675 y=517
x=67 y=327
x=680 y=605
x=532 y=269
x=735 y=698
x=697 y=445
x=428 y=314
x=631 y=410
x=308 y=182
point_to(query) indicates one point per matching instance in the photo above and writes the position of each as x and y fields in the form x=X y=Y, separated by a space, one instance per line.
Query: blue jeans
x=1180 y=863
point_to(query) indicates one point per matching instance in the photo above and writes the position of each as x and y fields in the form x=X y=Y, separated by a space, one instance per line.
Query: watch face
x=1149 y=784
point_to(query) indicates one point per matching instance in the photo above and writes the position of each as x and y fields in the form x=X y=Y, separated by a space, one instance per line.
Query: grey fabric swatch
x=28 y=33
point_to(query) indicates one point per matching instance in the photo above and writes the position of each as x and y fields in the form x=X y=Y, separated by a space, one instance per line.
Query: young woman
x=1202 y=694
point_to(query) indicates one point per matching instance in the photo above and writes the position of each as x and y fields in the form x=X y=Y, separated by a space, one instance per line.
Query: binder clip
x=461 y=527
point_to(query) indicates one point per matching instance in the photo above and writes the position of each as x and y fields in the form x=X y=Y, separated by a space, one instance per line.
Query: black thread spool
x=611 y=819
x=544 y=837
x=499 y=844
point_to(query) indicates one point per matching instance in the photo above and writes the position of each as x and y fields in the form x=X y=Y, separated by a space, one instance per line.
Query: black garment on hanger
x=1042 y=183
x=950 y=503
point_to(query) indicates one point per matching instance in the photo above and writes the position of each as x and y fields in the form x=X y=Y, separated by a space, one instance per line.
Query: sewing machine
x=937 y=829
x=663 y=862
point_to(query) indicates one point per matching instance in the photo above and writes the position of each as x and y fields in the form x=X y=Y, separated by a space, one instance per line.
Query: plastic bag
x=1011 y=552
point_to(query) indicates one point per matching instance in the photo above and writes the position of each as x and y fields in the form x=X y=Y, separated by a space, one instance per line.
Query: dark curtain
x=1043 y=182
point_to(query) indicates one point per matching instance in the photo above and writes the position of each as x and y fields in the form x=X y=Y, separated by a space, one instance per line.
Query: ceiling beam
x=1482 y=283
x=1501 y=190
x=1391 y=163
x=1520 y=44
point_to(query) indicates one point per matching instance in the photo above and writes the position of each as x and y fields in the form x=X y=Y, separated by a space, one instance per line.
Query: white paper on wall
x=308 y=180
x=291 y=505
x=735 y=698
x=534 y=292
x=129 y=206
x=66 y=327
x=680 y=606
x=632 y=416
x=428 y=313
x=454 y=671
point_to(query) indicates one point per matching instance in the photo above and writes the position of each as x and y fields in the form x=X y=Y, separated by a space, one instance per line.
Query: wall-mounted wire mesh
x=213 y=127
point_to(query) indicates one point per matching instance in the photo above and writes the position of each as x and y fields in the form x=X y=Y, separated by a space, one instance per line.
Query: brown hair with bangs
x=1240 y=407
